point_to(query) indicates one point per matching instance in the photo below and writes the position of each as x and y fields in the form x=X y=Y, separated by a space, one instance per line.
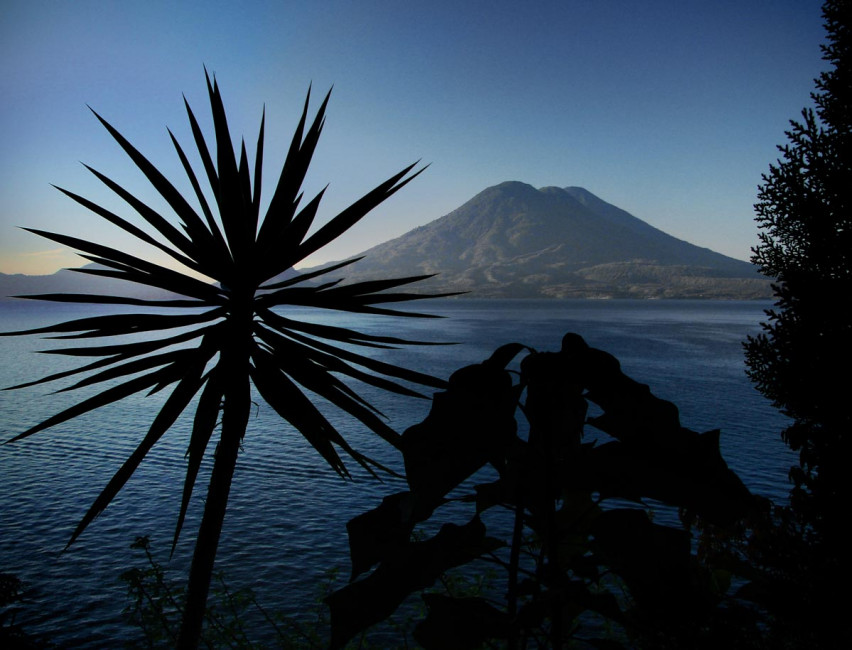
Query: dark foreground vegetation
x=641 y=538
x=584 y=558
x=240 y=341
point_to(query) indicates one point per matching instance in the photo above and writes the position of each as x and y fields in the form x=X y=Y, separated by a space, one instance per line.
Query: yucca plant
x=231 y=336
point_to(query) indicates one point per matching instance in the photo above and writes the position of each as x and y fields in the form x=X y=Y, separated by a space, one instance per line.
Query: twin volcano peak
x=515 y=241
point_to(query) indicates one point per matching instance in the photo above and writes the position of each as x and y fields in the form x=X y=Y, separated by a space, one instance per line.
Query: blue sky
x=668 y=109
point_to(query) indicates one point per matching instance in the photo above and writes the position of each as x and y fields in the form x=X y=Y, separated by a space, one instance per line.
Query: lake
x=286 y=519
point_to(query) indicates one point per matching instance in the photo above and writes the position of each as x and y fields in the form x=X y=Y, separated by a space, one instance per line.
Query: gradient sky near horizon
x=669 y=109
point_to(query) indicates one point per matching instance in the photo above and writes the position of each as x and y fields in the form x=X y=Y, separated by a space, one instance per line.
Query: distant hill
x=66 y=281
x=515 y=241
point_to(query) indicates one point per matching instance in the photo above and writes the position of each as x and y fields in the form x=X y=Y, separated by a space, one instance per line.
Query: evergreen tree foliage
x=802 y=358
x=804 y=208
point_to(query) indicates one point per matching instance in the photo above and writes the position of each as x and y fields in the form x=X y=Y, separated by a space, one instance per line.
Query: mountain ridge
x=18 y=285
x=512 y=240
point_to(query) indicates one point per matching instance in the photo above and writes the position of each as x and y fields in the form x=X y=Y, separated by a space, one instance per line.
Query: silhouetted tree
x=239 y=338
x=801 y=361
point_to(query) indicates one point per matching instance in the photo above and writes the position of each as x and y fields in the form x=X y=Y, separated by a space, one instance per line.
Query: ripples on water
x=287 y=514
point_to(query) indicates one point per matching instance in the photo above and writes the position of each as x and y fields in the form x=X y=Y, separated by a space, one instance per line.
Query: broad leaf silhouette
x=582 y=541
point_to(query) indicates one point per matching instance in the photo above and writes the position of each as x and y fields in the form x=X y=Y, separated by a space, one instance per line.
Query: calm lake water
x=287 y=514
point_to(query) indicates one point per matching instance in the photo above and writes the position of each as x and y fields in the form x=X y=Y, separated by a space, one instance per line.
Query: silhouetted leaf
x=159 y=280
x=128 y=227
x=468 y=425
x=94 y=299
x=335 y=333
x=67 y=373
x=168 y=192
x=316 y=378
x=374 y=286
x=101 y=399
x=245 y=185
x=319 y=297
x=285 y=346
x=148 y=273
x=603 y=644
x=380 y=532
x=206 y=416
x=174 y=406
x=175 y=357
x=502 y=356
x=291 y=404
x=284 y=200
x=206 y=160
x=354 y=213
x=230 y=197
x=460 y=623
x=127 y=350
x=693 y=476
x=302 y=277
x=114 y=324
x=653 y=560
x=363 y=603
x=258 y=169
x=219 y=247
x=287 y=242
x=373 y=364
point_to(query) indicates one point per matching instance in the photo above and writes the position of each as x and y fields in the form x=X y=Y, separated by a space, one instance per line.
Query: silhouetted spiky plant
x=239 y=338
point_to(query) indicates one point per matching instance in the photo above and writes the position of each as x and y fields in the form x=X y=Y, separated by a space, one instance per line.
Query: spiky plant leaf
x=204 y=423
x=229 y=337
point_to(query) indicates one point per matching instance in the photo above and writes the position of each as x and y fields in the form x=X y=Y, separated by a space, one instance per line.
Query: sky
x=669 y=109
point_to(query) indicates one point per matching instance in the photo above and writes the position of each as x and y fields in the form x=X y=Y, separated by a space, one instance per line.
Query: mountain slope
x=515 y=241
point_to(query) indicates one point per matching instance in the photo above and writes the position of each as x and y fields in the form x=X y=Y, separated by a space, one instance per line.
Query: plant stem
x=211 y=525
x=514 y=561
x=235 y=415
